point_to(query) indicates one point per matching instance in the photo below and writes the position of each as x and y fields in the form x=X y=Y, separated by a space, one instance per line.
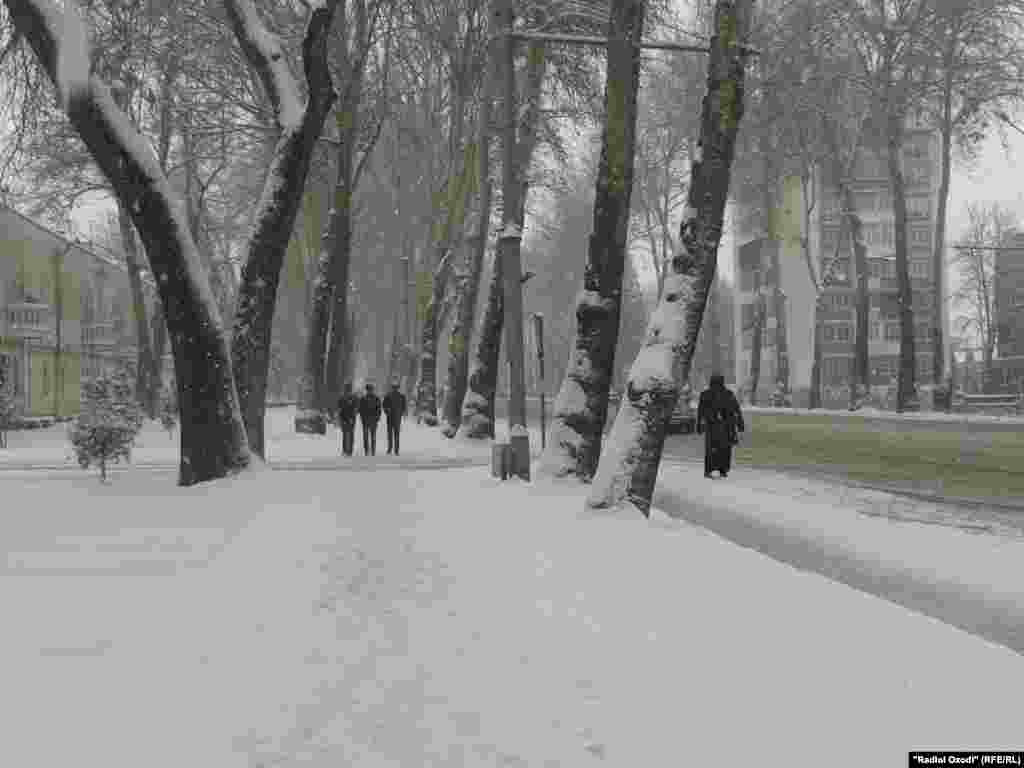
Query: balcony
x=30 y=321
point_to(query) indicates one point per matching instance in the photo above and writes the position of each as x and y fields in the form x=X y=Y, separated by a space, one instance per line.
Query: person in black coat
x=348 y=407
x=394 y=411
x=720 y=419
x=369 y=415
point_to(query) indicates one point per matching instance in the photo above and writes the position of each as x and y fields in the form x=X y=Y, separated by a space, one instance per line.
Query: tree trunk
x=906 y=396
x=757 y=342
x=629 y=466
x=478 y=404
x=860 y=382
x=467 y=291
x=482 y=386
x=450 y=221
x=581 y=406
x=476 y=243
x=146 y=388
x=325 y=341
x=280 y=201
x=815 y=393
x=426 y=390
x=938 y=260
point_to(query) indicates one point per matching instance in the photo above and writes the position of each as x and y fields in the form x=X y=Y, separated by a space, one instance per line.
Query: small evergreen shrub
x=110 y=418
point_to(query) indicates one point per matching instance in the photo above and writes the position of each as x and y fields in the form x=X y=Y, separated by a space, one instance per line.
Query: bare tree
x=325 y=341
x=629 y=465
x=987 y=225
x=212 y=406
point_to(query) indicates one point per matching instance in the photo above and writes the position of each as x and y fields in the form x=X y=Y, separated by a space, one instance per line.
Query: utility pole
x=509 y=245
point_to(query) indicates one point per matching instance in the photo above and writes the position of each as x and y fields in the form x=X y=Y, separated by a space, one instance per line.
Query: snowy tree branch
x=265 y=55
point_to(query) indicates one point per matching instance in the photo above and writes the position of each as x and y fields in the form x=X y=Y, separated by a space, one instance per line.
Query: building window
x=892 y=331
x=843 y=332
x=918 y=207
x=919 y=268
x=888 y=237
x=920 y=236
x=829 y=333
x=876 y=330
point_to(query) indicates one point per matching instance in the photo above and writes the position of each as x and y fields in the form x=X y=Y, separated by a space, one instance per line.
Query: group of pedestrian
x=369 y=408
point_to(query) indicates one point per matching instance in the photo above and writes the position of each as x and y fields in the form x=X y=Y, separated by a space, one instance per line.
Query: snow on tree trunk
x=300 y=128
x=629 y=464
x=478 y=404
x=213 y=440
x=451 y=220
x=426 y=388
x=147 y=388
x=581 y=407
x=468 y=284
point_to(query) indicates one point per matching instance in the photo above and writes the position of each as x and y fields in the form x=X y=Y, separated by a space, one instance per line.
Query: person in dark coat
x=369 y=416
x=394 y=412
x=348 y=407
x=720 y=419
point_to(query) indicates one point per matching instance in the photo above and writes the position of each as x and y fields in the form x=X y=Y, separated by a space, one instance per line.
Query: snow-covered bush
x=110 y=419
x=8 y=411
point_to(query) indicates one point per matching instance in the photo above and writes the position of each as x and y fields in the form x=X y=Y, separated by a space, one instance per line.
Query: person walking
x=369 y=415
x=720 y=419
x=348 y=407
x=394 y=412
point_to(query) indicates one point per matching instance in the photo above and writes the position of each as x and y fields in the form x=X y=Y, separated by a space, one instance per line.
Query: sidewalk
x=964 y=566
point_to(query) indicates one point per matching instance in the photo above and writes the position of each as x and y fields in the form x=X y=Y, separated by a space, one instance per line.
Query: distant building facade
x=1008 y=373
x=873 y=197
x=66 y=313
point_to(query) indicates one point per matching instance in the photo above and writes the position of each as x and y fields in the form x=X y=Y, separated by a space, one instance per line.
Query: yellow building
x=65 y=314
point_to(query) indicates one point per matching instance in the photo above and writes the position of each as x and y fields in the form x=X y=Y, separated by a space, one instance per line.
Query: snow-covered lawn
x=154 y=445
x=876 y=413
x=442 y=618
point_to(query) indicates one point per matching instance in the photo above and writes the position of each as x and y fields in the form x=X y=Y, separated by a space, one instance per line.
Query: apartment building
x=65 y=314
x=873 y=197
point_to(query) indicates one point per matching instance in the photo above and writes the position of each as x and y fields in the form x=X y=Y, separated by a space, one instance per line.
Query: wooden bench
x=976 y=402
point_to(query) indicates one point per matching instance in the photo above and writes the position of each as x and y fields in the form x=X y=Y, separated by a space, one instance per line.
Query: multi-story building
x=870 y=185
x=65 y=314
x=1009 y=310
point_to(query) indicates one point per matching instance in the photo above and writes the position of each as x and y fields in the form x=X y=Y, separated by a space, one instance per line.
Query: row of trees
x=277 y=125
x=419 y=151
x=839 y=80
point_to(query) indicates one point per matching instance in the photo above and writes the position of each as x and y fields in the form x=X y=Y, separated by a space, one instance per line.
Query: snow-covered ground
x=154 y=445
x=877 y=413
x=441 y=618
x=964 y=566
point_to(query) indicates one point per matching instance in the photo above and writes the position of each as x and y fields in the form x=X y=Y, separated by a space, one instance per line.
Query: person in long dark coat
x=369 y=416
x=394 y=411
x=348 y=407
x=720 y=419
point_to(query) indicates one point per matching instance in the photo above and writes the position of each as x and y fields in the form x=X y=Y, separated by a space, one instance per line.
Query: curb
x=996 y=615
x=994 y=503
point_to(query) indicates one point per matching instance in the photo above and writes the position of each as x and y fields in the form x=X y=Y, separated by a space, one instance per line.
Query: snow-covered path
x=443 y=619
x=960 y=566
